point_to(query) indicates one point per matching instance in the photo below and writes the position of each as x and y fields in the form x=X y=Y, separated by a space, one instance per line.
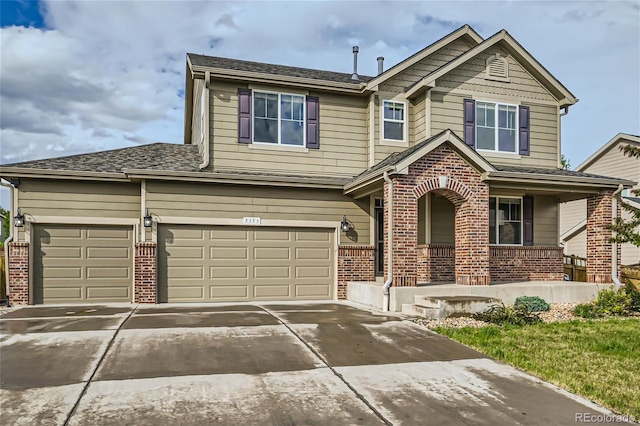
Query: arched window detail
x=497 y=68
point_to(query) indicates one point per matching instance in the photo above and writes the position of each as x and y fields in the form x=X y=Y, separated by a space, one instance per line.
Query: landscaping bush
x=624 y=301
x=534 y=303
x=513 y=315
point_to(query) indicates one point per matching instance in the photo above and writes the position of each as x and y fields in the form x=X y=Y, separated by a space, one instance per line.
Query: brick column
x=355 y=263
x=472 y=239
x=145 y=280
x=405 y=232
x=599 y=249
x=18 y=286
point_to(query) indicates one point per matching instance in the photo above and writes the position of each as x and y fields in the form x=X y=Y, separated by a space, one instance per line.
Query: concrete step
x=441 y=307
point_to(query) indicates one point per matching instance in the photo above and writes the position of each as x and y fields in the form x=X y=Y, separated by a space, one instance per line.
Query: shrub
x=609 y=302
x=534 y=303
x=513 y=315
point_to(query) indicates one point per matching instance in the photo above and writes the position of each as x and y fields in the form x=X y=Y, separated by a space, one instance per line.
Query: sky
x=85 y=76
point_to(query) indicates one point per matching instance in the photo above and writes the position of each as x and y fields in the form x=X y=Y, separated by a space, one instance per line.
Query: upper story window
x=394 y=120
x=496 y=127
x=278 y=118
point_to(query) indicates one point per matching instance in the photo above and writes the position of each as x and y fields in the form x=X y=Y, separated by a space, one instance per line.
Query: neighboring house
x=610 y=161
x=2 y=233
x=458 y=146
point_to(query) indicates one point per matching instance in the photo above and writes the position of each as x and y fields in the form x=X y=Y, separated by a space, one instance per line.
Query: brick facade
x=436 y=263
x=520 y=263
x=446 y=172
x=355 y=263
x=599 y=249
x=145 y=274
x=18 y=285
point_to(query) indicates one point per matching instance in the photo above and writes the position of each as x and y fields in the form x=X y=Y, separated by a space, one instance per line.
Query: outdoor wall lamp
x=18 y=219
x=345 y=225
x=147 y=220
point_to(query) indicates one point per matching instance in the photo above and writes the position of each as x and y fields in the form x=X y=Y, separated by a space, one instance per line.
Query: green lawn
x=599 y=360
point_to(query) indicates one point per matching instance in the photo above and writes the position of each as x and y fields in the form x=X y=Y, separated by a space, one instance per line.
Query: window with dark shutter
x=470 y=122
x=313 y=122
x=244 y=115
x=523 y=119
x=527 y=220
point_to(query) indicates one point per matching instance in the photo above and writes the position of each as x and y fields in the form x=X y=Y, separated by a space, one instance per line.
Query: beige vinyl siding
x=545 y=220
x=418 y=120
x=572 y=214
x=78 y=199
x=577 y=245
x=447 y=113
x=615 y=164
x=190 y=200
x=442 y=220
x=470 y=77
x=344 y=137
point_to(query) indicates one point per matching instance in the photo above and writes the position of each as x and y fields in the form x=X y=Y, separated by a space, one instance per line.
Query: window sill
x=269 y=147
x=391 y=142
x=498 y=154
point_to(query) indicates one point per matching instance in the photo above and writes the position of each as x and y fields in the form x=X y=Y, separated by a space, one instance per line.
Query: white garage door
x=235 y=263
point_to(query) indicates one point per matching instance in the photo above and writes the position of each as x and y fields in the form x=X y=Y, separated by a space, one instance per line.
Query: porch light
x=148 y=221
x=345 y=225
x=18 y=219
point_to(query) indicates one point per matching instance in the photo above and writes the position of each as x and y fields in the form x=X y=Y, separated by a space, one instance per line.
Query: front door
x=378 y=212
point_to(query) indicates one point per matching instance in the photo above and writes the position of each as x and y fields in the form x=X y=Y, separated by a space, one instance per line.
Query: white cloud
x=109 y=74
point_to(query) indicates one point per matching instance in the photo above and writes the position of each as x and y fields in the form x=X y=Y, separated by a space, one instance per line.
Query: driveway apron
x=280 y=364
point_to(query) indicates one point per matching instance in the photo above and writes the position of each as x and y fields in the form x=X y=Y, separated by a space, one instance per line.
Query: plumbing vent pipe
x=380 y=64
x=354 y=76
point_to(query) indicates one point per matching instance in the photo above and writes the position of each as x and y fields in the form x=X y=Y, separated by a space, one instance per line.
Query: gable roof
x=517 y=51
x=273 y=69
x=630 y=139
x=398 y=162
x=464 y=31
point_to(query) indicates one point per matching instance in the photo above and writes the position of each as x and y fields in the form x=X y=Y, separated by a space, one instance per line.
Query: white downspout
x=614 y=254
x=10 y=237
x=207 y=123
x=387 y=284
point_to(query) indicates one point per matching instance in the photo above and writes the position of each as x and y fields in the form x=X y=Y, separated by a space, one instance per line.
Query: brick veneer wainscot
x=470 y=196
x=18 y=286
x=355 y=263
x=521 y=263
x=145 y=281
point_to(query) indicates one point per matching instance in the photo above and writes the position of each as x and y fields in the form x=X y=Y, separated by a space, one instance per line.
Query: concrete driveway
x=281 y=364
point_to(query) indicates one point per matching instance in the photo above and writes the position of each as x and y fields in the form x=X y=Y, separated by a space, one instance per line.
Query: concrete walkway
x=280 y=364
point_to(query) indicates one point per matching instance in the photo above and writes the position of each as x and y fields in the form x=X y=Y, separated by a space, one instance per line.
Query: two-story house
x=293 y=182
x=609 y=160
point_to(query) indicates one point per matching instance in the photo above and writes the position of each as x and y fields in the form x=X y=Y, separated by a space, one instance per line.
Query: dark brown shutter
x=470 y=122
x=523 y=112
x=313 y=122
x=527 y=220
x=244 y=115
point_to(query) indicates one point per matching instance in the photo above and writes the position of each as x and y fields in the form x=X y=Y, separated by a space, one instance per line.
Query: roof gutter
x=614 y=247
x=24 y=172
x=387 y=284
x=555 y=180
x=367 y=179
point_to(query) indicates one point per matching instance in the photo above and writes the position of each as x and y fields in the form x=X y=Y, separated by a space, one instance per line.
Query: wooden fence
x=575 y=268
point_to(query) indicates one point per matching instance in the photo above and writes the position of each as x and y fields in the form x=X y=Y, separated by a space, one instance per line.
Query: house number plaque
x=251 y=221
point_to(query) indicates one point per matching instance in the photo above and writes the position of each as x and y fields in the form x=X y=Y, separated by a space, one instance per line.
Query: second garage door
x=234 y=263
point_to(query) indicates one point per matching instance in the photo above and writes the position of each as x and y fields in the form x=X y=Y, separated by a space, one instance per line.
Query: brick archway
x=454 y=190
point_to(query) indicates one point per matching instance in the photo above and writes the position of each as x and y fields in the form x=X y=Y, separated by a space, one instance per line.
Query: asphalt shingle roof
x=281 y=70
x=553 y=172
x=157 y=156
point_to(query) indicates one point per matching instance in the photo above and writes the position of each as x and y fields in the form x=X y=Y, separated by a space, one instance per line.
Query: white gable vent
x=497 y=68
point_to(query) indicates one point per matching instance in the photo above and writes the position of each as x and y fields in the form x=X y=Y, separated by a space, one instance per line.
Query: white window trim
x=394 y=142
x=496 y=133
x=497 y=197
x=304 y=120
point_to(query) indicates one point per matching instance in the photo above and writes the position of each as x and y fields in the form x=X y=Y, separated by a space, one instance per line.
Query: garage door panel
x=228 y=253
x=71 y=259
x=230 y=272
x=281 y=253
x=246 y=263
x=196 y=252
x=235 y=292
